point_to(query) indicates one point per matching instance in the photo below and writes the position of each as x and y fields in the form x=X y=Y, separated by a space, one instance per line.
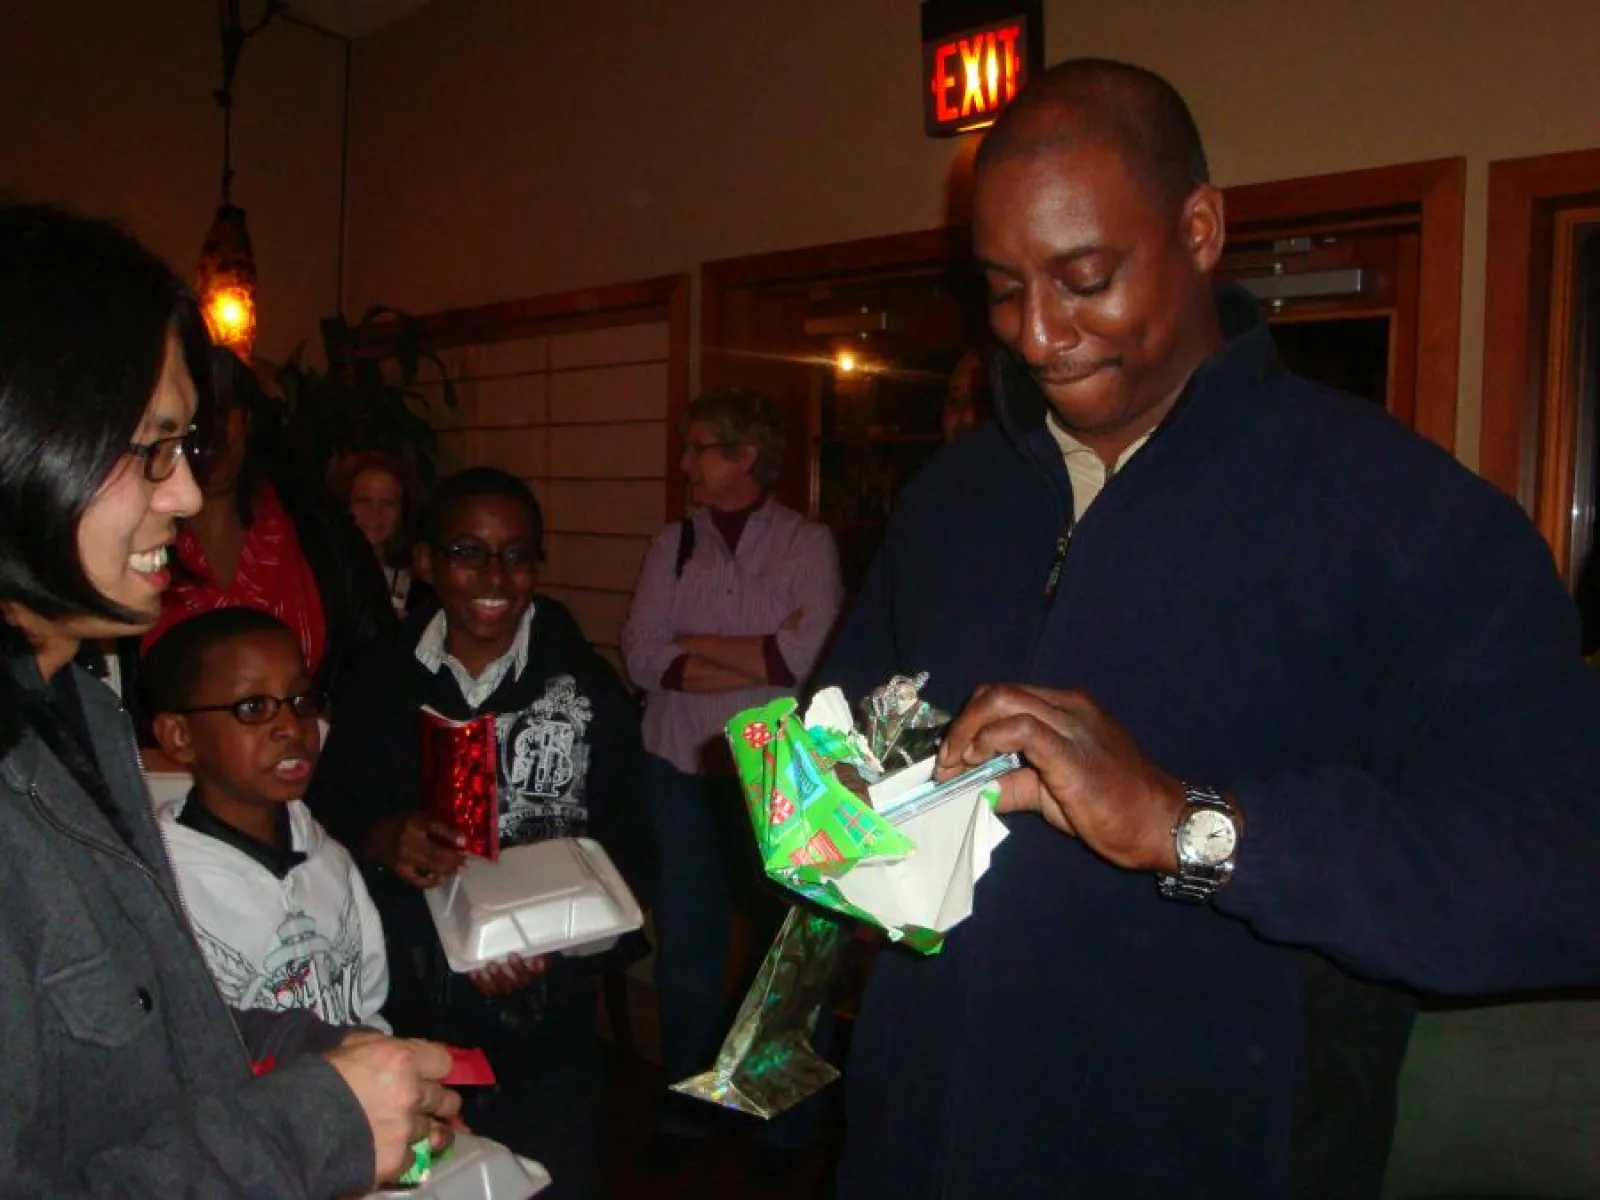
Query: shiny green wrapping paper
x=766 y=1063
x=809 y=828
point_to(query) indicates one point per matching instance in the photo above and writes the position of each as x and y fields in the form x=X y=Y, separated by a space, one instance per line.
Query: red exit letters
x=972 y=76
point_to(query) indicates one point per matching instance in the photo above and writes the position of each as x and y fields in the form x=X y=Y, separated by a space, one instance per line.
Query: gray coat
x=122 y=1073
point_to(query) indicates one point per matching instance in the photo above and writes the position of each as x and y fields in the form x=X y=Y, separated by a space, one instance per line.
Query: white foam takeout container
x=478 y=1170
x=558 y=895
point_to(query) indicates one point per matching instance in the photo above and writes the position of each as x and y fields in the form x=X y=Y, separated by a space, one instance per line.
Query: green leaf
x=418 y=432
x=369 y=380
x=336 y=341
x=376 y=311
x=362 y=402
x=405 y=353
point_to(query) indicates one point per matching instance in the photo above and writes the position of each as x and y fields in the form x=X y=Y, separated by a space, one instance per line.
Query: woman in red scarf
x=280 y=549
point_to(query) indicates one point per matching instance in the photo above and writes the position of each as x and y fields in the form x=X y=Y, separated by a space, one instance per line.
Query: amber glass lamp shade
x=226 y=283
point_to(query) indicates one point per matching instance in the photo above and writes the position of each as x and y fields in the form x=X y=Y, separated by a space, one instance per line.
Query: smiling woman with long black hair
x=124 y=1073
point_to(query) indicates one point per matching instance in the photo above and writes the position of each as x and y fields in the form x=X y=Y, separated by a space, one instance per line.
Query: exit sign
x=970 y=74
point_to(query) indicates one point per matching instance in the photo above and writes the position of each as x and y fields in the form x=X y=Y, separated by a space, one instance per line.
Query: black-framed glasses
x=696 y=449
x=161 y=456
x=263 y=710
x=517 y=558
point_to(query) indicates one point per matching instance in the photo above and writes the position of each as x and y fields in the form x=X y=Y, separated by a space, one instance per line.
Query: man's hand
x=420 y=851
x=508 y=975
x=1085 y=775
x=397 y=1085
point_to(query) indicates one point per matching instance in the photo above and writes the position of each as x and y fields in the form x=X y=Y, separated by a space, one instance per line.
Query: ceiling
x=352 y=18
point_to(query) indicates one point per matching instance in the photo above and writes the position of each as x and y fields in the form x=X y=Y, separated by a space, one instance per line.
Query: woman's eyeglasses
x=262 y=710
x=161 y=456
x=474 y=556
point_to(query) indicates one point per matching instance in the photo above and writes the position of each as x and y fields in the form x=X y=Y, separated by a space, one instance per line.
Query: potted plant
x=368 y=397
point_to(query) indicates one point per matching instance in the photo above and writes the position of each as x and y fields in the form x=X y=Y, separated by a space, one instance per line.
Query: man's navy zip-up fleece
x=1286 y=595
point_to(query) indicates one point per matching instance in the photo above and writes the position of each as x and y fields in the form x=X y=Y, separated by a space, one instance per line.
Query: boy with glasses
x=278 y=907
x=570 y=765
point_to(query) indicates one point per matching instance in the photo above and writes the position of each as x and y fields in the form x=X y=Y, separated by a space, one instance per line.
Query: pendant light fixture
x=226 y=278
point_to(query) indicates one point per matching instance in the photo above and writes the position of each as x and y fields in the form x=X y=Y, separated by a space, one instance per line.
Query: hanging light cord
x=234 y=36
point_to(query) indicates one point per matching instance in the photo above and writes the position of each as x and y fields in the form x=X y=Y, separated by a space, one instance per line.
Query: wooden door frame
x=926 y=248
x=630 y=303
x=898 y=253
x=581 y=309
x=1433 y=191
x=1526 y=195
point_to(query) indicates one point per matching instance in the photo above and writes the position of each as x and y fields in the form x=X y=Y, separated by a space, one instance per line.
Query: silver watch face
x=1206 y=836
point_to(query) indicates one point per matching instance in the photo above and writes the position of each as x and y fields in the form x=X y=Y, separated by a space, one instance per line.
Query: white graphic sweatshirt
x=309 y=938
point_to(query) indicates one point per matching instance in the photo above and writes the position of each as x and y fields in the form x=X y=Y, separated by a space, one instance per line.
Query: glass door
x=1342 y=304
x=1569 y=487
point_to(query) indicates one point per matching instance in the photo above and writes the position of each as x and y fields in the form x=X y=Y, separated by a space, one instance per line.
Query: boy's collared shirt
x=279 y=859
x=431 y=653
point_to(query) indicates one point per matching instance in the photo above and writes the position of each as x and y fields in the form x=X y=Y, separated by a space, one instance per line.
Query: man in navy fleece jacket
x=1301 y=699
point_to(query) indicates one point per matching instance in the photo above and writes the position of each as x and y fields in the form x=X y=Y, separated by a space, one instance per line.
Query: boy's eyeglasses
x=262 y=710
x=162 y=455
x=473 y=556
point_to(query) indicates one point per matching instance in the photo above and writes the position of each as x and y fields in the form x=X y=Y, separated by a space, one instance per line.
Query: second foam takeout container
x=477 y=1169
x=559 y=895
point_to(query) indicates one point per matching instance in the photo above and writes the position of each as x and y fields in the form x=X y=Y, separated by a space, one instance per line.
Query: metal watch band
x=1195 y=883
x=1195 y=886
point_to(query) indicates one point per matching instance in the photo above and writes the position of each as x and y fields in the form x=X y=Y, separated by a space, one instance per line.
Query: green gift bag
x=809 y=827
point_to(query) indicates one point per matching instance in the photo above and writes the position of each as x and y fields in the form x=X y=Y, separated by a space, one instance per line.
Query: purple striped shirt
x=784 y=562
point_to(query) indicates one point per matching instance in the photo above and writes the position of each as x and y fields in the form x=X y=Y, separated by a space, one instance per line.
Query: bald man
x=1300 y=698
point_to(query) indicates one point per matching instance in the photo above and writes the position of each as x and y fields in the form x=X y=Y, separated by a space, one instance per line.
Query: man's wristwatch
x=1206 y=838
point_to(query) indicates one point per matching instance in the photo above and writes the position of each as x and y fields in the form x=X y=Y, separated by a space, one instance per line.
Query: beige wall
x=503 y=148
x=107 y=108
x=582 y=417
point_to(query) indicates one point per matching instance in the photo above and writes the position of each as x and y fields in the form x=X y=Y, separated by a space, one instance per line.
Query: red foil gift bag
x=460 y=779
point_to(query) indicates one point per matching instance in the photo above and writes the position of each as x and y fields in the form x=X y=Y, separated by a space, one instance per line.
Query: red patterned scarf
x=273 y=576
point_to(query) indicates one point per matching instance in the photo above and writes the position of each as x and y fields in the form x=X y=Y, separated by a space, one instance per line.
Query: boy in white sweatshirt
x=279 y=908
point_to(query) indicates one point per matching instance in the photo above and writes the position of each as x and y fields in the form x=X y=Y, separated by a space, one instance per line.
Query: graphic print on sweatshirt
x=544 y=765
x=303 y=969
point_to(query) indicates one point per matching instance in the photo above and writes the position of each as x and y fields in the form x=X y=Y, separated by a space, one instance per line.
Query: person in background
x=966 y=399
x=266 y=540
x=125 y=1074
x=732 y=607
x=568 y=741
x=1299 y=697
x=279 y=908
x=380 y=504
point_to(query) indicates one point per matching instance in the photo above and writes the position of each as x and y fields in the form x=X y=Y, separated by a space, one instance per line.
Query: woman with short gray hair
x=738 y=417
